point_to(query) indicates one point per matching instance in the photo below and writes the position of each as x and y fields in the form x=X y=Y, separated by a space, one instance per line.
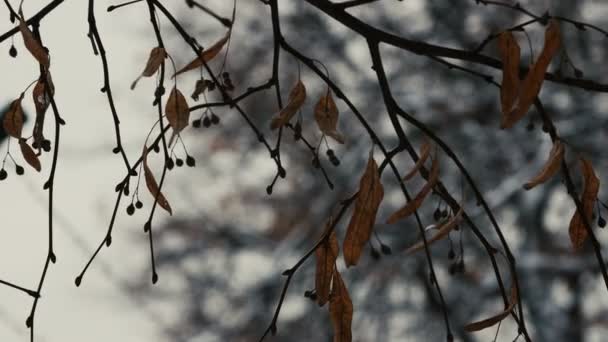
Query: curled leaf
x=442 y=232
x=530 y=87
x=42 y=100
x=177 y=111
x=362 y=222
x=326 y=116
x=205 y=56
x=153 y=186
x=32 y=45
x=297 y=96
x=578 y=230
x=488 y=322
x=326 y=255
x=425 y=151
x=411 y=206
x=29 y=155
x=13 y=119
x=340 y=310
x=510 y=55
x=156 y=58
x=551 y=166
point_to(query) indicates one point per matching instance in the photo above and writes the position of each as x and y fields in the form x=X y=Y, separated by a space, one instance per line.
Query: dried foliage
x=362 y=222
x=582 y=216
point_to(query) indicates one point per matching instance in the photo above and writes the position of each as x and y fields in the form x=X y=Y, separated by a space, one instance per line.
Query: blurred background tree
x=229 y=253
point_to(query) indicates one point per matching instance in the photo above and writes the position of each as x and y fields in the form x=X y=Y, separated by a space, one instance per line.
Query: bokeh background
x=221 y=255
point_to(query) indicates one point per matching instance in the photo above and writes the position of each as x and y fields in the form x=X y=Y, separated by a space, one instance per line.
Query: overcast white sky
x=87 y=173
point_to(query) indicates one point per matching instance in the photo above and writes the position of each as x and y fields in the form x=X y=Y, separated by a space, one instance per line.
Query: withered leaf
x=42 y=101
x=340 y=310
x=153 y=186
x=29 y=155
x=205 y=56
x=425 y=151
x=41 y=98
x=326 y=116
x=411 y=206
x=32 y=45
x=578 y=231
x=297 y=96
x=362 y=222
x=488 y=322
x=13 y=119
x=177 y=111
x=510 y=55
x=156 y=58
x=550 y=168
x=531 y=85
x=326 y=255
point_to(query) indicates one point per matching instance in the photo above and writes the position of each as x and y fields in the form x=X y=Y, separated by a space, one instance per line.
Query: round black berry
x=130 y=209
x=190 y=161
x=12 y=51
x=386 y=250
x=206 y=122
x=601 y=222
x=451 y=254
x=19 y=170
x=437 y=214
x=179 y=162
x=196 y=123
x=46 y=145
x=170 y=164
x=215 y=119
x=374 y=253
x=138 y=204
x=3 y=174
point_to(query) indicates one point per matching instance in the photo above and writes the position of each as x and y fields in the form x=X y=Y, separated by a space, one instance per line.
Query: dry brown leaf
x=425 y=151
x=32 y=45
x=510 y=55
x=411 y=206
x=362 y=222
x=326 y=116
x=206 y=56
x=13 y=119
x=42 y=100
x=297 y=96
x=29 y=155
x=578 y=231
x=551 y=166
x=326 y=255
x=156 y=58
x=442 y=232
x=340 y=310
x=531 y=85
x=177 y=111
x=153 y=186
x=488 y=322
